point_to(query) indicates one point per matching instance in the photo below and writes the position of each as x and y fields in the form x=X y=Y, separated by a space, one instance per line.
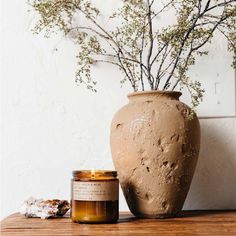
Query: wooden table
x=188 y=223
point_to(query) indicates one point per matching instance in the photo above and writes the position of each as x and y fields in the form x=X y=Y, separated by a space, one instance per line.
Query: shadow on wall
x=214 y=182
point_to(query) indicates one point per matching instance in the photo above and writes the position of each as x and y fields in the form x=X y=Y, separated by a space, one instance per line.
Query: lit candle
x=95 y=196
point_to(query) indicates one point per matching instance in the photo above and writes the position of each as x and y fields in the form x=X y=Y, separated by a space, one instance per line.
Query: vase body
x=155 y=147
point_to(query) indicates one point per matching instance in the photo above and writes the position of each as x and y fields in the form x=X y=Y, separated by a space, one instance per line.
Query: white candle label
x=96 y=191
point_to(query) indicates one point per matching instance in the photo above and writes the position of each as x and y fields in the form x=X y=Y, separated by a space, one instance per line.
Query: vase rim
x=175 y=94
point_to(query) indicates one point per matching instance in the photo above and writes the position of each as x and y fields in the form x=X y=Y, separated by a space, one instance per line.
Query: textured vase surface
x=155 y=148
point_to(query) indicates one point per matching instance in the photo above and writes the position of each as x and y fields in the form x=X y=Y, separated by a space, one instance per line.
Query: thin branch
x=182 y=46
x=186 y=64
x=127 y=68
x=152 y=3
x=159 y=52
x=207 y=5
x=112 y=55
x=193 y=49
x=162 y=9
x=87 y=28
x=222 y=4
x=125 y=59
x=105 y=61
x=120 y=51
x=141 y=57
x=210 y=35
x=165 y=71
x=228 y=38
x=96 y=32
x=125 y=71
x=151 y=43
x=164 y=56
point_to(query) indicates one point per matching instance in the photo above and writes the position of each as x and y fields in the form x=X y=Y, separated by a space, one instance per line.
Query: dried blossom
x=148 y=54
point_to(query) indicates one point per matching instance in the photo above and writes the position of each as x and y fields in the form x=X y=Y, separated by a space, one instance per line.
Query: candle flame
x=92 y=172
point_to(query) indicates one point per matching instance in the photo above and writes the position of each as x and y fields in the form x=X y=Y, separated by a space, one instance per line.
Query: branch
x=96 y=32
x=105 y=61
x=127 y=67
x=126 y=59
x=207 y=5
x=222 y=4
x=126 y=73
x=149 y=66
x=159 y=52
x=141 y=56
x=120 y=51
x=210 y=35
x=185 y=65
x=90 y=29
x=164 y=56
x=166 y=70
x=162 y=9
x=182 y=45
x=228 y=38
x=193 y=49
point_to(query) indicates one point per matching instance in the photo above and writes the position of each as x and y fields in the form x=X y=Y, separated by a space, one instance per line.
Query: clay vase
x=155 y=147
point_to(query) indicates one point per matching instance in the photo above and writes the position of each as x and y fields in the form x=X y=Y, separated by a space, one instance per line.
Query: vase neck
x=151 y=95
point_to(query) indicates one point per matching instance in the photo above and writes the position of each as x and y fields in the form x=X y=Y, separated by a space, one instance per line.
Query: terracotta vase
x=155 y=148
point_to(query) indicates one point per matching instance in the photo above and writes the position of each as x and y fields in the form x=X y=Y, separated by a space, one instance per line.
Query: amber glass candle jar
x=94 y=196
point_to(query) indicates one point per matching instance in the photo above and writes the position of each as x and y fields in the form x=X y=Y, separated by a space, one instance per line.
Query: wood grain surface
x=187 y=223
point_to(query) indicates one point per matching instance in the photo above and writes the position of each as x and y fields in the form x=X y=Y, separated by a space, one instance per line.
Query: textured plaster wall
x=50 y=126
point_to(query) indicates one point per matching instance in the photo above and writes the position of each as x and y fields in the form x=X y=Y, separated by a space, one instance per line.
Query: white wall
x=50 y=126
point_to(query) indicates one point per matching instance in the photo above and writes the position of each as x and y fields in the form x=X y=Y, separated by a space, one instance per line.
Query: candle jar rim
x=100 y=173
